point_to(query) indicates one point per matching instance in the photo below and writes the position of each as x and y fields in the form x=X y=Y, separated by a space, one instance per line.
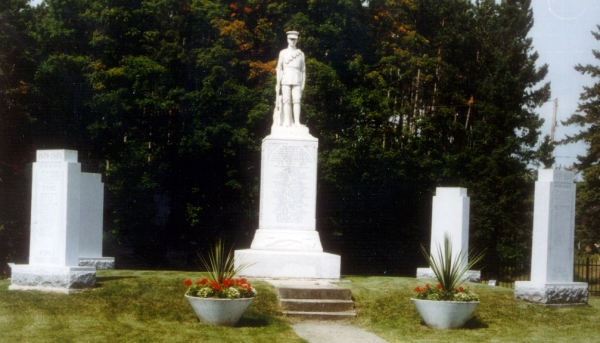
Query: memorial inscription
x=46 y=211
x=291 y=168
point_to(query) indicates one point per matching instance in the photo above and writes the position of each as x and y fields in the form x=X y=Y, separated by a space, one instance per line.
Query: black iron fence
x=588 y=270
x=584 y=270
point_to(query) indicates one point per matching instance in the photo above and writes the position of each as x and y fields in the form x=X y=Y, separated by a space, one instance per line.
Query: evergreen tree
x=17 y=68
x=587 y=219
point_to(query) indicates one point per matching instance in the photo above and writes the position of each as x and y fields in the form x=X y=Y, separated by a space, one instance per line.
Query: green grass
x=384 y=307
x=132 y=306
x=148 y=306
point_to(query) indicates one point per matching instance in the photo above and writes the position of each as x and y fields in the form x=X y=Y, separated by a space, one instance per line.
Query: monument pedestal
x=289 y=264
x=51 y=278
x=286 y=244
x=470 y=275
x=567 y=293
x=100 y=263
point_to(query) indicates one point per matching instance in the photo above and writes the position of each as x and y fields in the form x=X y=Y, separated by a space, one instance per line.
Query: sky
x=561 y=35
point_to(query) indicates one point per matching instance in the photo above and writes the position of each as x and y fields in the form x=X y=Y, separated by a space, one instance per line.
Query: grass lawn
x=148 y=306
x=132 y=306
x=384 y=307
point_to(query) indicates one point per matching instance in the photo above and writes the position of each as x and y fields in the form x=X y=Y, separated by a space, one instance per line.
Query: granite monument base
x=289 y=264
x=427 y=273
x=560 y=293
x=287 y=240
x=101 y=263
x=52 y=279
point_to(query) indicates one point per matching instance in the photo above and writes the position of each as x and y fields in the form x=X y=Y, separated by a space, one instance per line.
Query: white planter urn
x=217 y=311
x=445 y=314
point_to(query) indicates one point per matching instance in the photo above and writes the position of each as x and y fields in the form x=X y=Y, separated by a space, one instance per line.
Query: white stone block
x=286 y=244
x=470 y=275
x=567 y=293
x=288 y=183
x=553 y=227
x=91 y=223
x=553 y=243
x=287 y=240
x=450 y=215
x=52 y=278
x=55 y=227
x=289 y=264
x=92 y=207
x=55 y=206
x=100 y=263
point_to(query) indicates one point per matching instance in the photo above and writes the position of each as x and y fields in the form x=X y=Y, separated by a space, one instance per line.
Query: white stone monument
x=91 y=223
x=54 y=240
x=553 y=244
x=286 y=244
x=450 y=214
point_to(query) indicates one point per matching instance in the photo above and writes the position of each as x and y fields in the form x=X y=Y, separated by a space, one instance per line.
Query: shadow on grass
x=472 y=324
x=101 y=279
x=253 y=322
x=475 y=323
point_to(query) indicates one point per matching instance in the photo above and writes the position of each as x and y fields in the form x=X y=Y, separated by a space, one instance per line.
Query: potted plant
x=447 y=305
x=220 y=299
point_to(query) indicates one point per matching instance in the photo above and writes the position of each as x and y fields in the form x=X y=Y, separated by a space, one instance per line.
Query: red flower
x=426 y=285
x=418 y=289
x=439 y=286
x=215 y=285
x=460 y=289
x=242 y=280
x=203 y=281
x=227 y=283
x=188 y=282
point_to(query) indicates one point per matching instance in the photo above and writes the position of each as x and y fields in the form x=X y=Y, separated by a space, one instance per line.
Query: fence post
x=587 y=270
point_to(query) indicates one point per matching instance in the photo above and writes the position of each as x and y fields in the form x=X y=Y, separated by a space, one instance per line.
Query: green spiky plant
x=221 y=281
x=220 y=264
x=450 y=271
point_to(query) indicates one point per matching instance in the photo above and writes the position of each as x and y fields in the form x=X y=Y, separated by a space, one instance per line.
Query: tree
x=587 y=219
x=17 y=67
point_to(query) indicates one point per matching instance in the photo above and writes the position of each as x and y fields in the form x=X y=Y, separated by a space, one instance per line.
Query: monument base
x=287 y=240
x=565 y=293
x=52 y=279
x=289 y=264
x=101 y=263
x=470 y=275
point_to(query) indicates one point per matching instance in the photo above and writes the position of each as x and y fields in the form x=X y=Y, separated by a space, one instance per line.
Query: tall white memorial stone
x=91 y=223
x=553 y=244
x=450 y=215
x=54 y=239
x=286 y=244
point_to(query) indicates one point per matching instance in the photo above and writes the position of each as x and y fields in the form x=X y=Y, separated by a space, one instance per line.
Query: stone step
x=315 y=292
x=321 y=315
x=316 y=305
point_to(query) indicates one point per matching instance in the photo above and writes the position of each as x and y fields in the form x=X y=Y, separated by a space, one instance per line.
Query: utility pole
x=553 y=129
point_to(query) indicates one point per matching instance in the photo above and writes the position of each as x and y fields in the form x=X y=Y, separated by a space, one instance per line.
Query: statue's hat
x=292 y=34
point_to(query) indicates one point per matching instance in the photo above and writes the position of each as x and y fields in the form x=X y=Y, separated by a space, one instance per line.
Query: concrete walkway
x=334 y=332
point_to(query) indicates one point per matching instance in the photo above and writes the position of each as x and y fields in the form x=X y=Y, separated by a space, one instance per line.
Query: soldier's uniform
x=291 y=72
